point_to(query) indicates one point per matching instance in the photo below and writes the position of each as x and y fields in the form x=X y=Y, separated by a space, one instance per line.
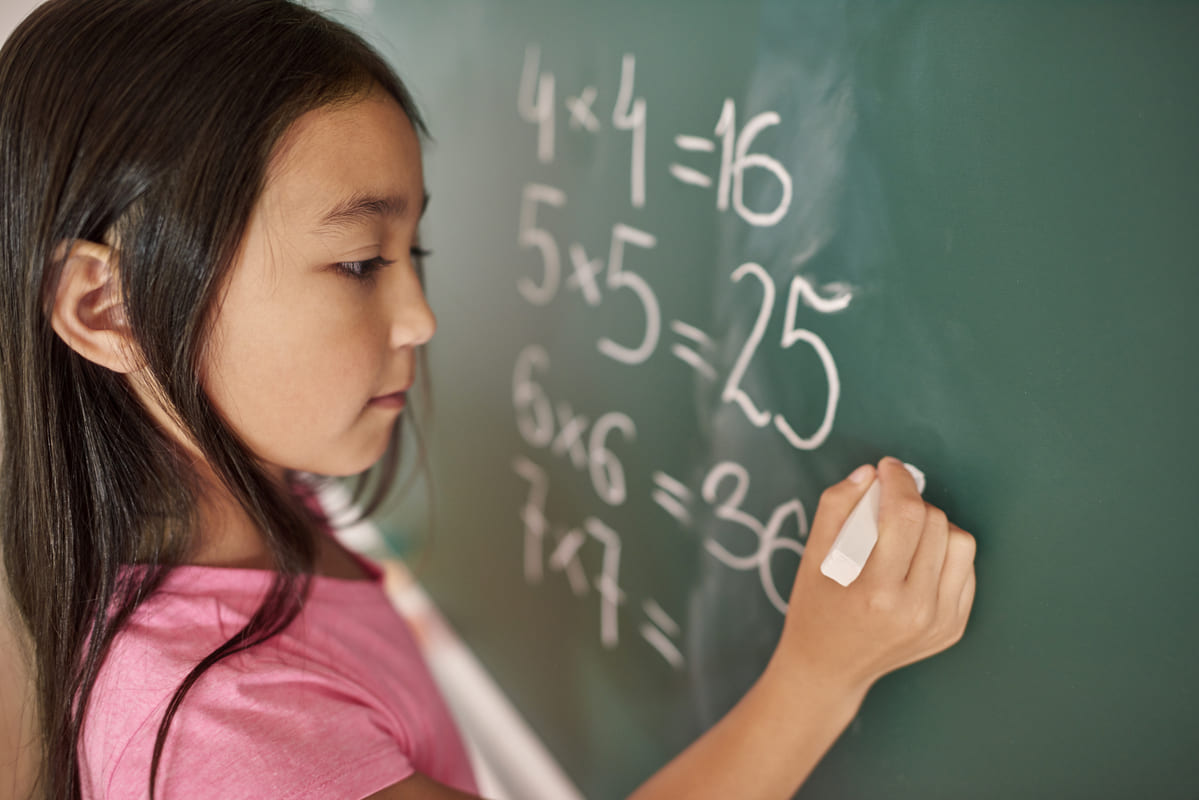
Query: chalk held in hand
x=859 y=534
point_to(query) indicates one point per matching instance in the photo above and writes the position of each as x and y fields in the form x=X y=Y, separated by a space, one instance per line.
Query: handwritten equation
x=537 y=104
x=563 y=269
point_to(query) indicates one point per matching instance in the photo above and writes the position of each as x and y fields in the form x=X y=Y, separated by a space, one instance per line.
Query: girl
x=212 y=268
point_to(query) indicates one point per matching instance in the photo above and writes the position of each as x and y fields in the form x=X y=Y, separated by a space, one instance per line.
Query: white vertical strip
x=508 y=749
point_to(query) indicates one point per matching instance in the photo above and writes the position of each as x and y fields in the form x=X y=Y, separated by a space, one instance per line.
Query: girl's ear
x=89 y=314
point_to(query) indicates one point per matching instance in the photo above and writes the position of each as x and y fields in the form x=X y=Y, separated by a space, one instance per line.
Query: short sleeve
x=255 y=730
x=338 y=704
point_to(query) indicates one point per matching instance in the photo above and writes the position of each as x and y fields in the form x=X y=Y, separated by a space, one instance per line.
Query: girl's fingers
x=929 y=558
x=958 y=569
x=901 y=517
x=835 y=504
x=966 y=601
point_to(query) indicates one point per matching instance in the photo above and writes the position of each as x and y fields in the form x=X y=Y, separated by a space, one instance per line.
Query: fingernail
x=892 y=460
x=860 y=474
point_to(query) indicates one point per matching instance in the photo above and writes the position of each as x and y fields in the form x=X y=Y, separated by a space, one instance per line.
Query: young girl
x=211 y=263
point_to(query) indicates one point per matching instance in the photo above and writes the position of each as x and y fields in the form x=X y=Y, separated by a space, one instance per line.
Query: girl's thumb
x=836 y=503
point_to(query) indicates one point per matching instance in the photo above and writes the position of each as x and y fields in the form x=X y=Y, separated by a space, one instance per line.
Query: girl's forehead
x=365 y=148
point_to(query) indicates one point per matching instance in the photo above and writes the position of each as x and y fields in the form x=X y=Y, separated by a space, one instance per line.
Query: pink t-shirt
x=338 y=705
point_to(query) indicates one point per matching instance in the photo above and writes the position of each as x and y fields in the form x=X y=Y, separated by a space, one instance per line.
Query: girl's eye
x=365 y=270
x=362 y=269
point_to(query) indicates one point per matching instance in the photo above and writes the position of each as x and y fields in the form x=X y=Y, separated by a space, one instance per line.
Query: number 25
x=791 y=334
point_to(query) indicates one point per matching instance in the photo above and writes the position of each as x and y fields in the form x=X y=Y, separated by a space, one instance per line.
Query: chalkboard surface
x=693 y=261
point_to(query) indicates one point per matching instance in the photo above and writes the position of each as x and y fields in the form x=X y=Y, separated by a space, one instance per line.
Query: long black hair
x=149 y=123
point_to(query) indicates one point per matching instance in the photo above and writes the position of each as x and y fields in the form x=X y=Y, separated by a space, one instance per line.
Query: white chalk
x=859 y=534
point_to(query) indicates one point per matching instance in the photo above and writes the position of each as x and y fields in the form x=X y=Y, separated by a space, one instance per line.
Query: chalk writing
x=584 y=277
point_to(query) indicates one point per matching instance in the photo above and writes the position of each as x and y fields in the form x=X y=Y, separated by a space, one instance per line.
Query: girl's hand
x=911 y=600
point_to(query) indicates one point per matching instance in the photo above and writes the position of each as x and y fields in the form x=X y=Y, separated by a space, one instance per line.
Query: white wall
x=12 y=12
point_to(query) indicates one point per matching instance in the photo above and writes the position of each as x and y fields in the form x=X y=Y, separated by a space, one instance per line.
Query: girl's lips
x=395 y=400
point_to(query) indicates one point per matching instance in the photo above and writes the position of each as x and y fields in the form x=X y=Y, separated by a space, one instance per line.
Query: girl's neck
x=229 y=538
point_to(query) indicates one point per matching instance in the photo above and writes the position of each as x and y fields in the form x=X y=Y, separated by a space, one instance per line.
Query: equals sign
x=693 y=144
x=690 y=356
x=660 y=632
x=673 y=496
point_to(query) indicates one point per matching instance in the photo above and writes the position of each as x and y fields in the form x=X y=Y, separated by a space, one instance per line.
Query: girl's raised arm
x=911 y=600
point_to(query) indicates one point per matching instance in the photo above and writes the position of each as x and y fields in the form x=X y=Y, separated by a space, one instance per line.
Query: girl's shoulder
x=342 y=688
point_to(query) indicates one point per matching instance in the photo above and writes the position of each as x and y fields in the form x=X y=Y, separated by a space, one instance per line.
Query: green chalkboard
x=693 y=261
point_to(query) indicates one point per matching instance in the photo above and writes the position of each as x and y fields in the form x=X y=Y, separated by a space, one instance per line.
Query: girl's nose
x=413 y=322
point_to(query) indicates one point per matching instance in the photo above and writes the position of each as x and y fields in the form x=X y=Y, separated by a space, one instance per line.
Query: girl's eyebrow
x=365 y=207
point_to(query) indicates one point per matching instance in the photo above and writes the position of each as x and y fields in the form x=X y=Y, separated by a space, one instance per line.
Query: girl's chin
x=342 y=468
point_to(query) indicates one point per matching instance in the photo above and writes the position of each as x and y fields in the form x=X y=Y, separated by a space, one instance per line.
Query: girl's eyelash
x=362 y=269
